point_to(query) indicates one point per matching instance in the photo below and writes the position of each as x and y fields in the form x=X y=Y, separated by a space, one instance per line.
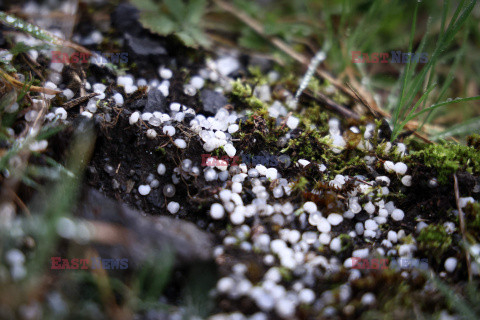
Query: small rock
x=212 y=101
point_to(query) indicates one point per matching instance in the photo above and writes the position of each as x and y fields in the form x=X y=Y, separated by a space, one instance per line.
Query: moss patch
x=448 y=158
x=434 y=240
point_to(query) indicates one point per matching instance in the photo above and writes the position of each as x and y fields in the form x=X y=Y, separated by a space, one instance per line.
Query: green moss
x=435 y=240
x=474 y=141
x=300 y=184
x=472 y=214
x=244 y=93
x=448 y=158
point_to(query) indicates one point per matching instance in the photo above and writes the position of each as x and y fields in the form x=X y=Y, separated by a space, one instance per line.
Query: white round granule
x=61 y=112
x=225 y=285
x=310 y=207
x=161 y=169
x=165 y=73
x=68 y=94
x=38 y=146
x=336 y=245
x=292 y=122
x=225 y=195
x=144 y=189
x=371 y=225
x=146 y=116
x=211 y=175
x=175 y=106
x=118 y=99
x=368 y=299
x=236 y=187
x=306 y=296
x=285 y=308
x=400 y=168
x=398 y=215
x=369 y=207
x=389 y=166
x=180 y=143
x=152 y=134
x=14 y=257
x=216 y=211
x=134 y=118
x=323 y=225
x=169 y=130
x=233 y=128
x=173 y=207
x=271 y=173
x=324 y=238
x=87 y=114
x=230 y=149
x=450 y=264
x=197 y=82
x=407 y=180
x=335 y=219
x=237 y=218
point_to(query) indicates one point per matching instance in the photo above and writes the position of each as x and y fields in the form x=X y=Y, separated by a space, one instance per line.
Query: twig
x=333 y=105
x=77 y=101
x=462 y=226
x=19 y=84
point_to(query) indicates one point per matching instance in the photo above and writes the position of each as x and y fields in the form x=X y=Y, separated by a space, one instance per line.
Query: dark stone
x=212 y=101
x=139 y=104
x=144 y=46
x=188 y=117
x=156 y=101
x=134 y=235
x=361 y=216
x=125 y=19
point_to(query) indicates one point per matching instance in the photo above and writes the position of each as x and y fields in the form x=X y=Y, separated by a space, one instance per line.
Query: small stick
x=77 y=101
